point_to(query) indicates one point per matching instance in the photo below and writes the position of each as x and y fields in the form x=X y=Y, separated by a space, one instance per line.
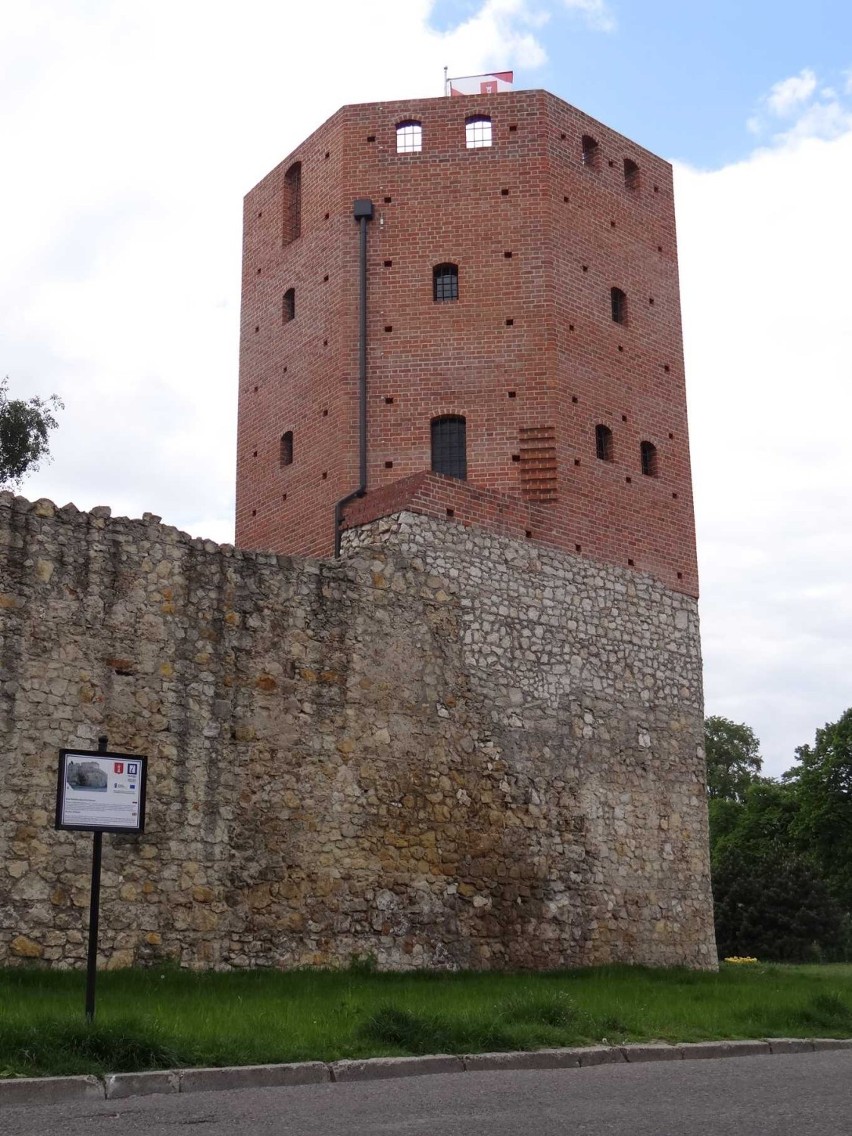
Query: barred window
x=287 y=448
x=449 y=446
x=289 y=305
x=477 y=131
x=292 y=203
x=603 y=443
x=409 y=137
x=590 y=151
x=648 y=453
x=631 y=174
x=445 y=282
x=618 y=300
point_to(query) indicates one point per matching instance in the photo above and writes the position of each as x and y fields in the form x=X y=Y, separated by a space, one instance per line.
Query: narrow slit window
x=445 y=282
x=590 y=151
x=648 y=453
x=409 y=137
x=287 y=448
x=292 y=203
x=603 y=443
x=631 y=174
x=477 y=132
x=449 y=446
x=618 y=300
x=289 y=305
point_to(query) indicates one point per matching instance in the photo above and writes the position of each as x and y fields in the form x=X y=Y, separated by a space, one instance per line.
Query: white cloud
x=764 y=254
x=597 y=12
x=788 y=94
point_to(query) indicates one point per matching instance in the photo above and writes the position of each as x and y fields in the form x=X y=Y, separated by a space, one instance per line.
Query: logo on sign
x=118 y=767
x=132 y=769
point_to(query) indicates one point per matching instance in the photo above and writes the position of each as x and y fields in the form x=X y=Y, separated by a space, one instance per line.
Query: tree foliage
x=733 y=758
x=24 y=428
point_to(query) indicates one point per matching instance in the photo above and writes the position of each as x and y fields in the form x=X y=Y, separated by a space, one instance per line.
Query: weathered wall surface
x=447 y=749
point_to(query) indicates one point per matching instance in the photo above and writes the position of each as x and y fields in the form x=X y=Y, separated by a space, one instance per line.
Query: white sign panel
x=101 y=791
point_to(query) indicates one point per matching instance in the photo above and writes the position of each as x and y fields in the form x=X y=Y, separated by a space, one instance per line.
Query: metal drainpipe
x=362 y=211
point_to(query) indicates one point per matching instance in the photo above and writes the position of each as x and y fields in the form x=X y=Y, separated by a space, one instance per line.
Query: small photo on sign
x=86 y=775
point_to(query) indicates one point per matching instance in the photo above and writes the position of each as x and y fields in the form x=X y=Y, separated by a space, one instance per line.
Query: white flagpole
x=446 y=81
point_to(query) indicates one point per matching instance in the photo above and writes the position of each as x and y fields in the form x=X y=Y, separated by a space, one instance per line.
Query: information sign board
x=101 y=792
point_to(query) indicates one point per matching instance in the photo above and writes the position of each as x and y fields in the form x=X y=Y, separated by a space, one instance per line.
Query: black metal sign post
x=99 y=792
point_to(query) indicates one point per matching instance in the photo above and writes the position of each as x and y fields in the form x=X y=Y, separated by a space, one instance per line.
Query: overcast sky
x=131 y=131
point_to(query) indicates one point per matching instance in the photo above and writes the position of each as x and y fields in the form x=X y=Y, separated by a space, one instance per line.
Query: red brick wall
x=573 y=233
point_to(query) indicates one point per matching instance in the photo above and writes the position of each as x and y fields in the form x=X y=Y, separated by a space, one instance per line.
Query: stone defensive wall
x=448 y=748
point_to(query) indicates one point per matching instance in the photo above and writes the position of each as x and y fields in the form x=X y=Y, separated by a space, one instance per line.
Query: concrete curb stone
x=821 y=1043
x=49 y=1090
x=708 y=1049
x=120 y=1085
x=600 y=1055
x=523 y=1059
x=254 y=1076
x=381 y=1068
x=656 y=1051
x=790 y=1045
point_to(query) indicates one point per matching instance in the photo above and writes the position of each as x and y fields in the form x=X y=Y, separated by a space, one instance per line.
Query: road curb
x=115 y=1086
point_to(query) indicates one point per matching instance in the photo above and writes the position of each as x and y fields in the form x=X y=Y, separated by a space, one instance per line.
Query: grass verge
x=162 y=1018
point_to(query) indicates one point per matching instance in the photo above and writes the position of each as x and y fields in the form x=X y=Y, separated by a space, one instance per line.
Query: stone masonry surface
x=449 y=748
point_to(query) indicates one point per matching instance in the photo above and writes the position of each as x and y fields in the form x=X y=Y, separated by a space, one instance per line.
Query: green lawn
x=148 y=1019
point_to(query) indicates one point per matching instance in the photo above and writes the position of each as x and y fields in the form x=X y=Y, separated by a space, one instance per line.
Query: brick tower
x=522 y=355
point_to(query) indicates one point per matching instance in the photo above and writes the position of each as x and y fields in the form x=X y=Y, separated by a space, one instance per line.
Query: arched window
x=590 y=151
x=631 y=174
x=289 y=305
x=445 y=282
x=603 y=443
x=477 y=131
x=292 y=203
x=287 y=448
x=409 y=137
x=449 y=446
x=618 y=300
x=648 y=452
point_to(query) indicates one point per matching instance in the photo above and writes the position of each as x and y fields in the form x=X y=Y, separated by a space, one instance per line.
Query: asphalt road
x=749 y=1096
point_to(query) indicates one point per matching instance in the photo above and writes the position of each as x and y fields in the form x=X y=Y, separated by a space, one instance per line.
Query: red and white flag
x=481 y=84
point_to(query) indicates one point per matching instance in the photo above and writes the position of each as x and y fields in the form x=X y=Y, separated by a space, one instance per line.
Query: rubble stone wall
x=448 y=748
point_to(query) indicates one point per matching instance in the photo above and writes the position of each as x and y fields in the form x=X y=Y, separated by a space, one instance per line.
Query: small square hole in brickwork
x=574 y=398
x=651 y=301
x=504 y=193
x=325 y=279
x=254 y=512
x=388 y=327
x=328 y=153
x=629 y=480
x=451 y=512
x=513 y=394
x=656 y=189
x=578 y=548
x=512 y=129
x=510 y=323
x=325 y=475
x=610 y=162
x=570 y=327
x=563 y=136
x=283 y=496
x=585 y=268
x=387 y=200
x=507 y=255
x=528 y=533
x=516 y=457
x=254 y=454
x=258 y=272
x=255 y=390
x=680 y=575
x=257 y=328
x=631 y=563
x=674 y=496
x=325 y=343
x=576 y=461
x=260 y=214
x=389 y=400
x=671 y=437
x=327 y=216
x=624 y=418
x=388 y=465
x=659 y=248
x=284 y=372
x=325 y=413
x=612 y=224
x=388 y=264
x=620 y=348
x=371 y=138
x=666 y=368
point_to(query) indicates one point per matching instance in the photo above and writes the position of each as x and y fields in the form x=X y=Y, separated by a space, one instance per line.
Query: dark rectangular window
x=449 y=447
